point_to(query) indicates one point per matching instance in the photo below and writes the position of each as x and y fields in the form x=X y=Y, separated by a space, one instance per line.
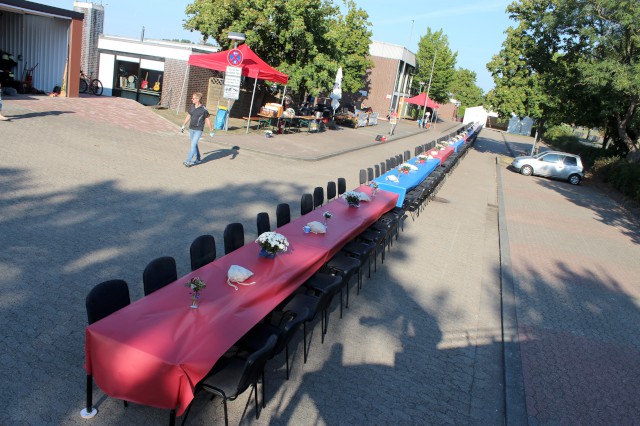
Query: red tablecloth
x=442 y=155
x=154 y=351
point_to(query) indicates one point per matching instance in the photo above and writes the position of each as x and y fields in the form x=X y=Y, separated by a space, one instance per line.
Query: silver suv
x=553 y=164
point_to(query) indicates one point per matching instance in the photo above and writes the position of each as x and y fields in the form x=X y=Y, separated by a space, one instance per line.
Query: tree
x=306 y=39
x=352 y=37
x=585 y=56
x=517 y=87
x=465 y=90
x=430 y=45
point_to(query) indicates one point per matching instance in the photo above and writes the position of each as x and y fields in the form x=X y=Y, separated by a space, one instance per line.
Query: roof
x=28 y=7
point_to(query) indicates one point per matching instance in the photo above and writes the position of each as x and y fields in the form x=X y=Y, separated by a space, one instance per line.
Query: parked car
x=560 y=165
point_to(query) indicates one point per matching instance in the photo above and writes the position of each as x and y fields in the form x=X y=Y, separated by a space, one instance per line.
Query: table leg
x=89 y=411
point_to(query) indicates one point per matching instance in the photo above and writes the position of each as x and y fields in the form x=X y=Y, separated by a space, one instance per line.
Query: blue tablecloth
x=457 y=144
x=406 y=181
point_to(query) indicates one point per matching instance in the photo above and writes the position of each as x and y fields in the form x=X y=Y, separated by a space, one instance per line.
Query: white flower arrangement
x=272 y=242
x=351 y=197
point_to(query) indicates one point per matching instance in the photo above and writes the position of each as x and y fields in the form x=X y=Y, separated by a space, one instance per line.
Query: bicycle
x=87 y=83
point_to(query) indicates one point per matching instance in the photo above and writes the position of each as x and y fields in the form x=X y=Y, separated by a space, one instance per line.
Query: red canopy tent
x=423 y=100
x=252 y=66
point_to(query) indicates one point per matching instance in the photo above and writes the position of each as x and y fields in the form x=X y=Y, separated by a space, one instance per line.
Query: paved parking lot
x=94 y=188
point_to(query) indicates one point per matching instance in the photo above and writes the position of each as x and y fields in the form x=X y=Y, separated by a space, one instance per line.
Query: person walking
x=2 y=117
x=197 y=117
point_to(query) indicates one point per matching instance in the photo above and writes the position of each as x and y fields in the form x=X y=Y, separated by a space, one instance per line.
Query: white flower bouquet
x=272 y=242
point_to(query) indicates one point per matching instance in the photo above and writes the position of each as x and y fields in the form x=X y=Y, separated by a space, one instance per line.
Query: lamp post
x=236 y=37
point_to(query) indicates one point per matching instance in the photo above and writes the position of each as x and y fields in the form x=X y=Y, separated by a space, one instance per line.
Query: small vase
x=194 y=299
x=266 y=254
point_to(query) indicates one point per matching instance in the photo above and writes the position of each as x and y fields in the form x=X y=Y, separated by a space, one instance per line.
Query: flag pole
x=426 y=100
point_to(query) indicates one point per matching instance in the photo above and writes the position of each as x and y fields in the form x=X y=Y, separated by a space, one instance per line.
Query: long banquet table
x=155 y=351
x=456 y=145
x=406 y=181
x=442 y=155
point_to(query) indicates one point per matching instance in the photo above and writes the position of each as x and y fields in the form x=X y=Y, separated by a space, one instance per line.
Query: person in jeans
x=2 y=117
x=197 y=117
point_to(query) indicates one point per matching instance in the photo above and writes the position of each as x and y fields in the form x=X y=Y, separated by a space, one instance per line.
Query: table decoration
x=327 y=215
x=196 y=285
x=238 y=275
x=272 y=243
x=374 y=188
x=421 y=159
x=317 y=227
x=352 y=198
x=404 y=168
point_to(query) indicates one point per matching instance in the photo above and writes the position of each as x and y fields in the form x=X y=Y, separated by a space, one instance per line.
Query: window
x=551 y=158
x=570 y=161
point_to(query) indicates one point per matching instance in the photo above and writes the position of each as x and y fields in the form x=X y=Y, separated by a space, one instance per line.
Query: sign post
x=232 y=78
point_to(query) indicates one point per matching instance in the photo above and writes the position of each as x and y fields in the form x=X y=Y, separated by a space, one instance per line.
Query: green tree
x=585 y=55
x=517 y=87
x=306 y=39
x=465 y=90
x=352 y=37
x=435 y=44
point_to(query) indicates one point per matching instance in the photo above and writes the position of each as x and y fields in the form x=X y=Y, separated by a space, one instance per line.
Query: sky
x=475 y=29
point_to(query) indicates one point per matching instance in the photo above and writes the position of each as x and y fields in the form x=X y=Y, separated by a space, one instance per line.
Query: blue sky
x=475 y=29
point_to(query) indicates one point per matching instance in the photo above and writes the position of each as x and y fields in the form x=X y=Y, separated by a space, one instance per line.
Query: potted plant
x=196 y=285
x=404 y=169
x=352 y=198
x=272 y=243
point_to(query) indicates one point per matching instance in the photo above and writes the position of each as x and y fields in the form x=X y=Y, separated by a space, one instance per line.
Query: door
x=550 y=165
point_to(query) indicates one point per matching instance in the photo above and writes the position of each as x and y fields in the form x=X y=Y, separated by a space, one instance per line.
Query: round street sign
x=235 y=57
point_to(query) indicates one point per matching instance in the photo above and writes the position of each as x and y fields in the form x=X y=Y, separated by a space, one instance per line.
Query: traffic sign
x=232 y=79
x=234 y=57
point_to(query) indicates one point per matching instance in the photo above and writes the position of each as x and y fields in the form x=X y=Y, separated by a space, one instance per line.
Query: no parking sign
x=234 y=57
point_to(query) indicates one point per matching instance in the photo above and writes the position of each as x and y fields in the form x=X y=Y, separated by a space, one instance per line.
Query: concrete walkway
x=94 y=188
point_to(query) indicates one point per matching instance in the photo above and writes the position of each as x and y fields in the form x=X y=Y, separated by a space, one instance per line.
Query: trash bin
x=221 y=117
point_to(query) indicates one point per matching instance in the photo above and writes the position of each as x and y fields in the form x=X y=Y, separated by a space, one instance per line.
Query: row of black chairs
x=417 y=198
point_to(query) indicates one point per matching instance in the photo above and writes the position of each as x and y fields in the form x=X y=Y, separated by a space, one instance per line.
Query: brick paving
x=87 y=197
x=574 y=256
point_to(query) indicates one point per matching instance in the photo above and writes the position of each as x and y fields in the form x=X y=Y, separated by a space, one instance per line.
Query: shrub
x=558 y=131
x=624 y=176
x=562 y=139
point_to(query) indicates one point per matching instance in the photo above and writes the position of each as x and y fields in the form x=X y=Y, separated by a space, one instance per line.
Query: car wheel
x=574 y=179
x=526 y=170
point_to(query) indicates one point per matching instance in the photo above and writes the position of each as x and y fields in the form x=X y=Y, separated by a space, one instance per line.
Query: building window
x=137 y=81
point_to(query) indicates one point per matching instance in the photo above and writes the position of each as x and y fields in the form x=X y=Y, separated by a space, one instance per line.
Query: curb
x=514 y=392
x=335 y=153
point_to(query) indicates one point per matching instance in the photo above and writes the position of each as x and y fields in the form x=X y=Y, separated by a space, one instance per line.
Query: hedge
x=622 y=175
